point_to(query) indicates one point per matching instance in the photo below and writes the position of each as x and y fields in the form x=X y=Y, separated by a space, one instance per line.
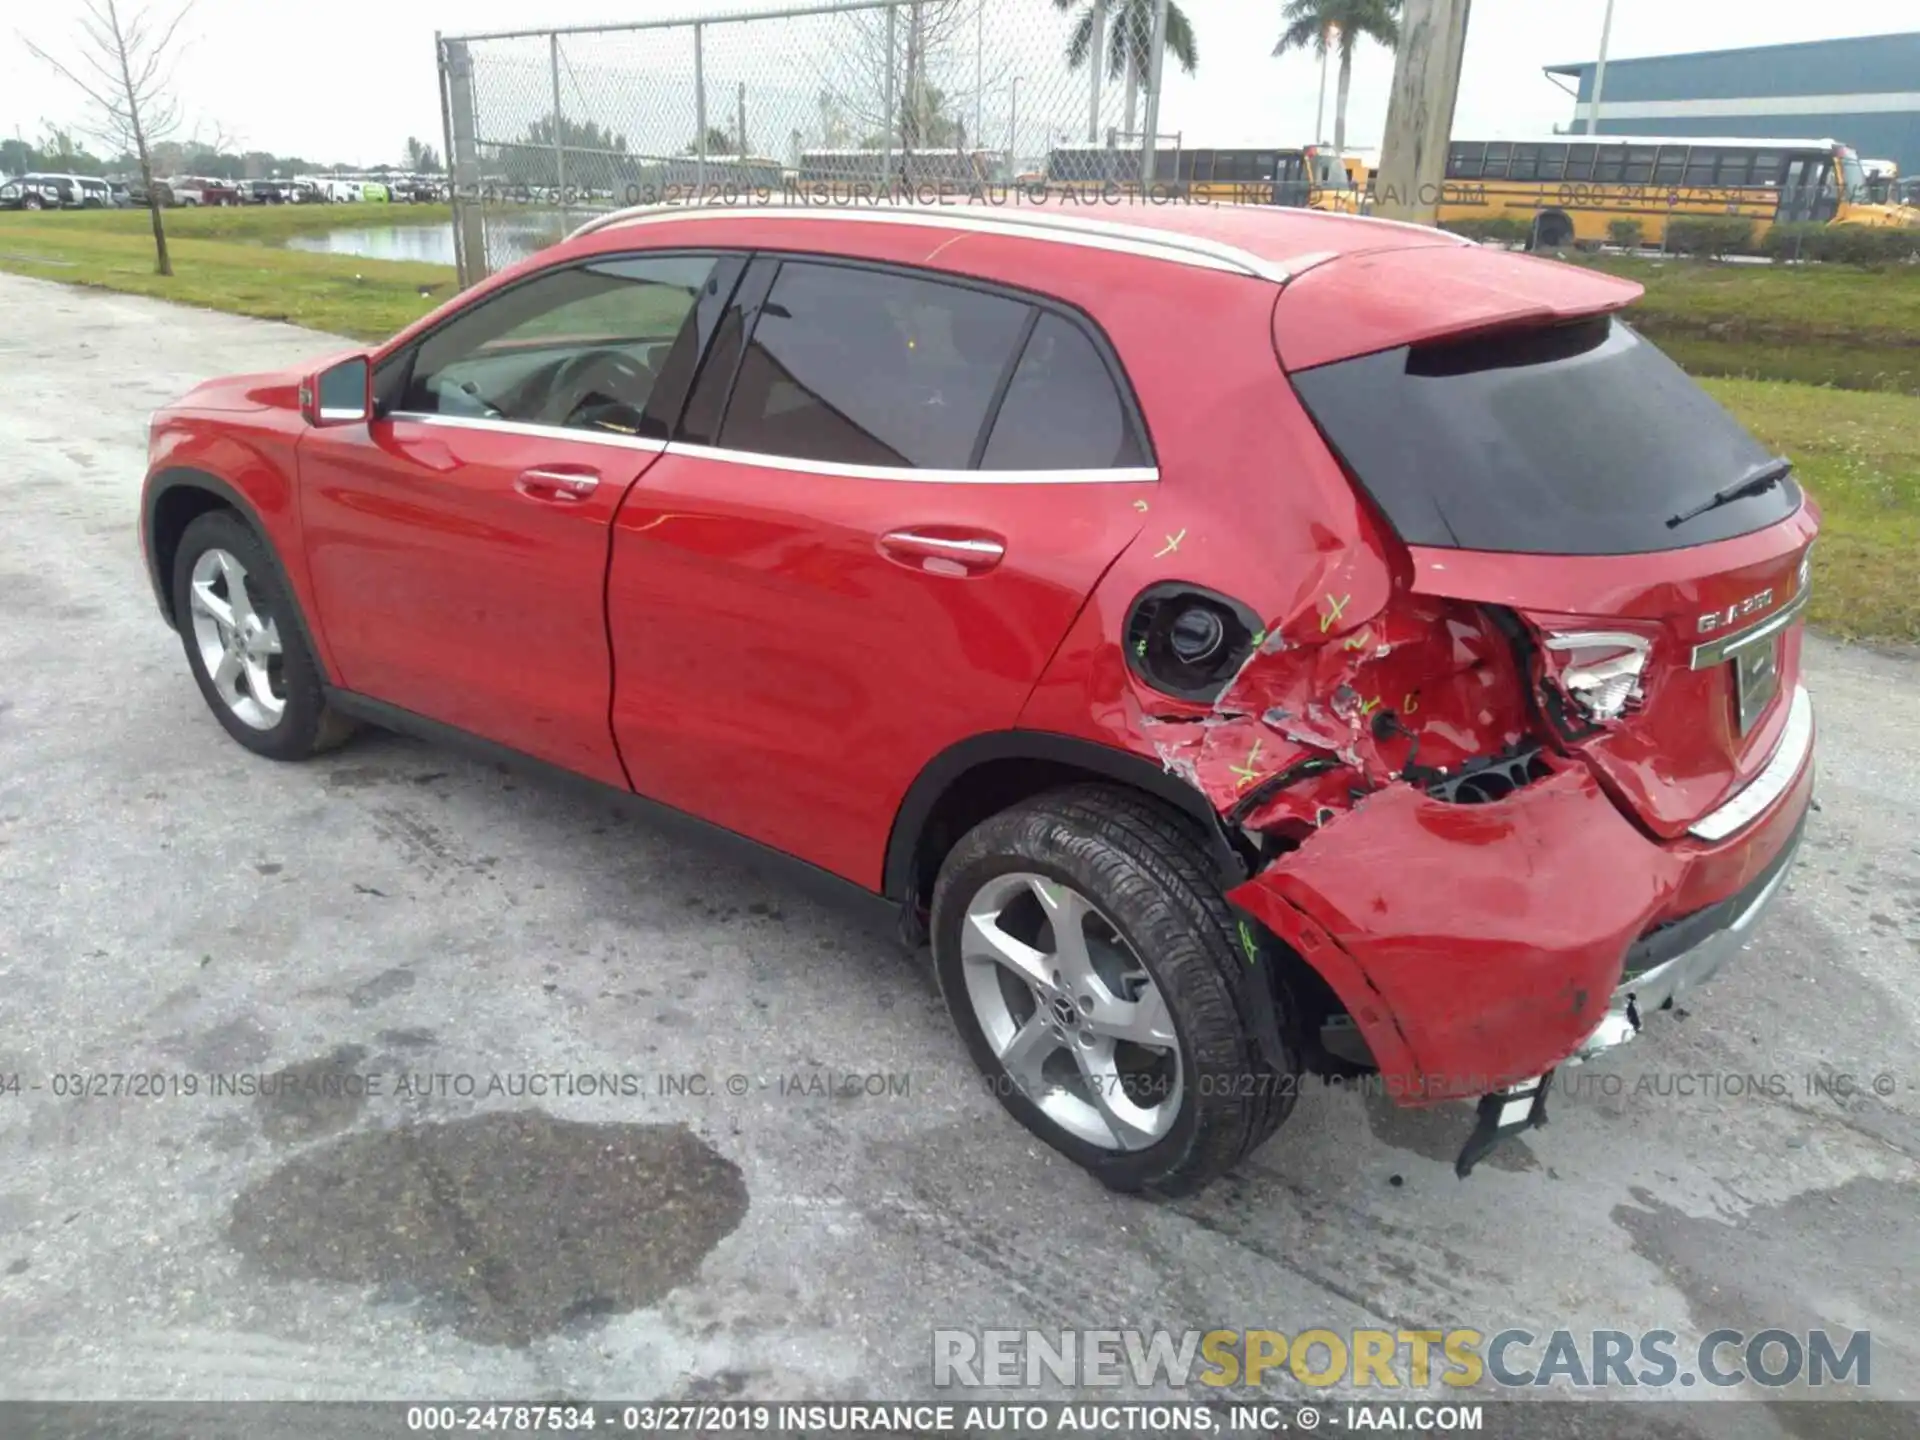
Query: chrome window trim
x=530 y=427
x=1168 y=245
x=1712 y=652
x=1779 y=773
x=1117 y=475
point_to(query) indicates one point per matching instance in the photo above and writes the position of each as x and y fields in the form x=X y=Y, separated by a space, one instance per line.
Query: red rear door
x=1536 y=455
x=891 y=497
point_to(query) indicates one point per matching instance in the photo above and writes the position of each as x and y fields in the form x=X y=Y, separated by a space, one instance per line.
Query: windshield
x=1329 y=172
x=1853 y=178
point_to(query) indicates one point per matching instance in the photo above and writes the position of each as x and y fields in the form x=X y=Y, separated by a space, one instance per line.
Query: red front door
x=458 y=567
x=458 y=543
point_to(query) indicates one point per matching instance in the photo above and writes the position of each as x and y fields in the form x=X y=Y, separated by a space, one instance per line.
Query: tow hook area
x=1502 y=1115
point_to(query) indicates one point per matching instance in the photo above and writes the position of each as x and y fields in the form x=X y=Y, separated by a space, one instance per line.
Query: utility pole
x=1426 y=82
x=1156 y=74
x=1320 y=110
x=1096 y=63
x=1599 y=73
x=979 y=96
x=1013 y=125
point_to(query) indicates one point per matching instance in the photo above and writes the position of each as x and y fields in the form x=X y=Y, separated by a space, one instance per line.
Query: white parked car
x=41 y=191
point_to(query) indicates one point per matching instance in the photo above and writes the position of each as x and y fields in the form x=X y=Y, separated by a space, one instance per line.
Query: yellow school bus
x=1571 y=188
x=1308 y=177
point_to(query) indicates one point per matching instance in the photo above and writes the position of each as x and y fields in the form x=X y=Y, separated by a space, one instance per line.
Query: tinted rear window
x=1570 y=440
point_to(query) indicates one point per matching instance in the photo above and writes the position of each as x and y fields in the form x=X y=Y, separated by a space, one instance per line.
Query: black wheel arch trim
x=937 y=777
x=185 y=478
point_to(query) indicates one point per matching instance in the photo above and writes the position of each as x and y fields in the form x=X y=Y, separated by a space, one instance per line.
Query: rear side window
x=1578 y=439
x=863 y=367
x=1061 y=411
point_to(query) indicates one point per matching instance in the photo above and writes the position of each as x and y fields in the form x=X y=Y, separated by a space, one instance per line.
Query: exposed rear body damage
x=1485 y=747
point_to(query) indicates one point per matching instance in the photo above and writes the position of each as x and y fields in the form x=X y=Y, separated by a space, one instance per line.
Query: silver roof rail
x=1033 y=223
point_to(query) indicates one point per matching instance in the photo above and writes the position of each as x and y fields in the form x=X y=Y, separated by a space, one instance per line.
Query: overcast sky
x=349 y=80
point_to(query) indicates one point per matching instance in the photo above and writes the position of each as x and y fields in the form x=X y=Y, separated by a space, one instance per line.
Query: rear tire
x=245 y=644
x=1151 y=924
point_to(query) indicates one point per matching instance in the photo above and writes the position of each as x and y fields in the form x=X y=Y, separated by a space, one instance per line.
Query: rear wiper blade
x=1764 y=476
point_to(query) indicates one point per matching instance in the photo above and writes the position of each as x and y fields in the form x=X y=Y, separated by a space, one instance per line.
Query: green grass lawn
x=1821 y=362
x=228 y=258
x=263 y=223
x=1817 y=324
x=1858 y=455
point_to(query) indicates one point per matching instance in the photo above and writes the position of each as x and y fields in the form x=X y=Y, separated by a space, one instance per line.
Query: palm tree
x=1316 y=24
x=1127 y=27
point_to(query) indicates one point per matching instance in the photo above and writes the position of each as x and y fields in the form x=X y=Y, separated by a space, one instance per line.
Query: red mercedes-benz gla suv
x=1243 y=641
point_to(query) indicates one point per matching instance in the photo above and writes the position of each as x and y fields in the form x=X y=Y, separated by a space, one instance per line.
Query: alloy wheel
x=1071 y=1013
x=238 y=639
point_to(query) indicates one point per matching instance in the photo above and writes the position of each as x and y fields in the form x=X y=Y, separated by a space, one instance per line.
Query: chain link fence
x=838 y=102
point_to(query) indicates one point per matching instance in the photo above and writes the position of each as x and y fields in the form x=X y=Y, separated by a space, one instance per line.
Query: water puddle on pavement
x=503 y=1227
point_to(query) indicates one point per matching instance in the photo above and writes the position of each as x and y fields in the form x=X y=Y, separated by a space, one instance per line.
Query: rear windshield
x=1578 y=439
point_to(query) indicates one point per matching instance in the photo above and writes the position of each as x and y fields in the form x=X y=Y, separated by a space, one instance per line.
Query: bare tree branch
x=131 y=91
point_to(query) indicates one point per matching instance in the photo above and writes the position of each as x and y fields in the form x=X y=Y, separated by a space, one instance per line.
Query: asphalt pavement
x=435 y=1081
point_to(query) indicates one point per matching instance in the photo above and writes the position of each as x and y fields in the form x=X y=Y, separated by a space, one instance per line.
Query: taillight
x=1599 y=671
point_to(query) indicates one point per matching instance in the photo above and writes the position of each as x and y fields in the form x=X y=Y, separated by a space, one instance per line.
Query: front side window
x=580 y=347
x=863 y=367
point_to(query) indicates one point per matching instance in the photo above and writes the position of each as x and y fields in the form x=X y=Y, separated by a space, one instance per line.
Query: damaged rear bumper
x=1477 y=947
x=1713 y=937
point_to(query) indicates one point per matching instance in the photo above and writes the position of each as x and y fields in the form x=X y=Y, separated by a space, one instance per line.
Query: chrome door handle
x=556 y=484
x=944 y=553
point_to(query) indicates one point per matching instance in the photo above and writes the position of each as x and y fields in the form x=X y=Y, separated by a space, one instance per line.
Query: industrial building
x=1863 y=92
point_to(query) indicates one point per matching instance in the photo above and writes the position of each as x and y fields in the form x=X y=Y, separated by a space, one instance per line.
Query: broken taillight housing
x=1599 y=670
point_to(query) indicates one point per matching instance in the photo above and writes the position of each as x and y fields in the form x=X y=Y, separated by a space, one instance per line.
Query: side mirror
x=339 y=395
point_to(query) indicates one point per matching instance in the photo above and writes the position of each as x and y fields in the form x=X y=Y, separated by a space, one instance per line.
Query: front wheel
x=246 y=649
x=1091 y=964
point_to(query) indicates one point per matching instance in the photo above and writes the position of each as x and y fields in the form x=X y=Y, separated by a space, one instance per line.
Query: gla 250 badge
x=1720 y=619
